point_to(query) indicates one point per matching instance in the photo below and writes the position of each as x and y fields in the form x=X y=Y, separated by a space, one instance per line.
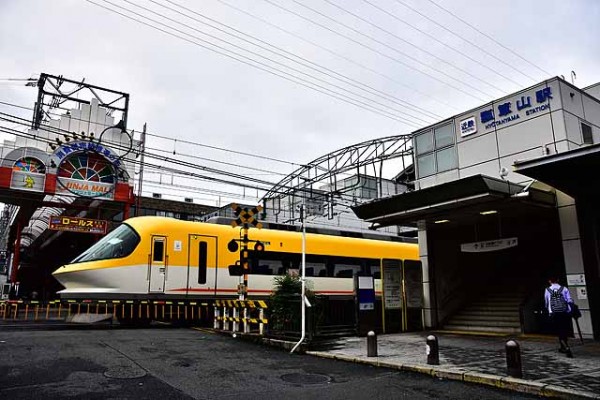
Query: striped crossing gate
x=247 y=316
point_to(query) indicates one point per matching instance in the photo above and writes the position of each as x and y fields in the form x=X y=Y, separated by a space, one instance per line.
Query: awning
x=573 y=172
x=459 y=199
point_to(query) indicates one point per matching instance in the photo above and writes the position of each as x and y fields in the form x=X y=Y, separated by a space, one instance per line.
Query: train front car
x=109 y=268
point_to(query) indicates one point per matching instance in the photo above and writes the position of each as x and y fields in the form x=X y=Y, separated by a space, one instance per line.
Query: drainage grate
x=306 y=379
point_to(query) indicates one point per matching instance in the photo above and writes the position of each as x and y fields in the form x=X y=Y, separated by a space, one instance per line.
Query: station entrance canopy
x=573 y=172
x=456 y=200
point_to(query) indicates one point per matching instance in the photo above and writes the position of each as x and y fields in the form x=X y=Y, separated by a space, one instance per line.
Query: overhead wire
x=60 y=131
x=488 y=36
x=257 y=64
x=347 y=59
x=267 y=185
x=418 y=48
x=467 y=40
x=432 y=37
x=216 y=161
x=395 y=59
x=270 y=59
x=329 y=72
x=171 y=139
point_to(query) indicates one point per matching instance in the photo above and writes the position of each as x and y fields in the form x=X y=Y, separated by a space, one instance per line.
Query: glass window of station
x=435 y=150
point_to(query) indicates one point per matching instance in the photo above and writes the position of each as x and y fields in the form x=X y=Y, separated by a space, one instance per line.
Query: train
x=153 y=257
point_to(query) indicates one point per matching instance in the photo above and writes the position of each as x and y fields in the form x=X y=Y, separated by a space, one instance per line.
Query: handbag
x=575 y=312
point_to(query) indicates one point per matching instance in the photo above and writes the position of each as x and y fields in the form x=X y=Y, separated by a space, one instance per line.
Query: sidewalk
x=481 y=359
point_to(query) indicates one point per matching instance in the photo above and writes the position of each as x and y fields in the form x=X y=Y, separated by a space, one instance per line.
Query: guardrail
x=124 y=310
x=249 y=315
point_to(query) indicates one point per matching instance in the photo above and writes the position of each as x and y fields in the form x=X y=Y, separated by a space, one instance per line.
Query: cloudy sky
x=295 y=79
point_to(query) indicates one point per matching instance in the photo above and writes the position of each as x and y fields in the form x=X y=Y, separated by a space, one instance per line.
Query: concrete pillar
x=429 y=319
x=573 y=259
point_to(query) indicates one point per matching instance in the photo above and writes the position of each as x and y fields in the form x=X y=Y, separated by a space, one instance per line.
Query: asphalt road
x=189 y=364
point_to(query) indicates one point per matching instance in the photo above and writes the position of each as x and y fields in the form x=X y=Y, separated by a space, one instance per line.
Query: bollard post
x=433 y=350
x=371 y=344
x=514 y=366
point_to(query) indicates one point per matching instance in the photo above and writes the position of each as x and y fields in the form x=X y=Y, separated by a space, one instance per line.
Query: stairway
x=495 y=311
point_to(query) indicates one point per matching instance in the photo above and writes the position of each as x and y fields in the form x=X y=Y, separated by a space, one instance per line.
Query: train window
x=316 y=266
x=202 y=257
x=158 y=252
x=267 y=262
x=119 y=243
x=376 y=271
x=344 y=267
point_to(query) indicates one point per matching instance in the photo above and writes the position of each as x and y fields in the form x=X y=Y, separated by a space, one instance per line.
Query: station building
x=506 y=195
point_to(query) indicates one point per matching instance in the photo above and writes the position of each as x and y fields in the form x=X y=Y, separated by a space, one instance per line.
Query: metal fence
x=124 y=310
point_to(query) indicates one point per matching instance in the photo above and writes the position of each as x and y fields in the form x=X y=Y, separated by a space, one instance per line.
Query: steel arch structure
x=327 y=169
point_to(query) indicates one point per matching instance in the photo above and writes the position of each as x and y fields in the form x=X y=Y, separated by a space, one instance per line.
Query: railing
x=124 y=310
x=325 y=318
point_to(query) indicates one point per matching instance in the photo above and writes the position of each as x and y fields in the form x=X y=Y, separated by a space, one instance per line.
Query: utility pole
x=303 y=299
x=141 y=178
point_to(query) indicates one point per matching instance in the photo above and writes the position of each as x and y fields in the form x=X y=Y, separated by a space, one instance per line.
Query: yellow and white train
x=166 y=258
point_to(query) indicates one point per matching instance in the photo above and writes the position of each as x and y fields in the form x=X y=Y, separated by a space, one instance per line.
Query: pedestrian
x=558 y=303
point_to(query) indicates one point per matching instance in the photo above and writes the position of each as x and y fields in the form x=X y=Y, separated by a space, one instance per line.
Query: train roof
x=224 y=221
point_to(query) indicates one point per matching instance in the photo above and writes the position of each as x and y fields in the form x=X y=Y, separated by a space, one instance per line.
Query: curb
x=500 y=382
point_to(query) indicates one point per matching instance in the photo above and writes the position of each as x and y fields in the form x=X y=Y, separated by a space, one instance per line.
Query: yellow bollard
x=37 y=309
x=26 y=311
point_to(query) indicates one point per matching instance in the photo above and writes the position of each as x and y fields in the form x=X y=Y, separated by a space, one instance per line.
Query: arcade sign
x=97 y=190
x=76 y=224
x=65 y=149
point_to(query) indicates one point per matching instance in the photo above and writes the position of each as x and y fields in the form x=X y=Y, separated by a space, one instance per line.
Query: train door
x=202 y=265
x=158 y=263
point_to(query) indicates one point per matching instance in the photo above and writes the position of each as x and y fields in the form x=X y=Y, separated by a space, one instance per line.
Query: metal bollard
x=371 y=344
x=514 y=366
x=433 y=350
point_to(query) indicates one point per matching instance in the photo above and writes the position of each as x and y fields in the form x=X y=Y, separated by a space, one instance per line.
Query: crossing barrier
x=247 y=316
x=124 y=310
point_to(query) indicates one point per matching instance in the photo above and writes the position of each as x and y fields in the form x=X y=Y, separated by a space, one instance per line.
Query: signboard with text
x=489 y=245
x=392 y=284
x=508 y=111
x=75 y=224
x=98 y=190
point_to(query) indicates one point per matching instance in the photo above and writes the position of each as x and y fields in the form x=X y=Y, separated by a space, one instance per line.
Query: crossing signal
x=245 y=217
x=235 y=270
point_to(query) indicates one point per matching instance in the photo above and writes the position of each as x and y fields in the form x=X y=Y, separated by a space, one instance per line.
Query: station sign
x=509 y=111
x=76 y=224
x=489 y=245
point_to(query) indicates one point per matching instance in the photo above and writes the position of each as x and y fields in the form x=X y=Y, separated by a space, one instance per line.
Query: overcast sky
x=403 y=63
